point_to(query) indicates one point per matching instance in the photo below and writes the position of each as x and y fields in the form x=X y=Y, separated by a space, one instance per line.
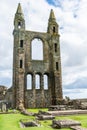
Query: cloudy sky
x=71 y=16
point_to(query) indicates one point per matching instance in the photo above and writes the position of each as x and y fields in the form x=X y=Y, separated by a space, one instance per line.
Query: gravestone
x=28 y=123
x=3 y=107
x=77 y=128
x=46 y=117
x=65 y=123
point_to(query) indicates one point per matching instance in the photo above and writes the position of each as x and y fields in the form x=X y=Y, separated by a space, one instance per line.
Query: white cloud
x=75 y=93
x=72 y=20
x=74 y=42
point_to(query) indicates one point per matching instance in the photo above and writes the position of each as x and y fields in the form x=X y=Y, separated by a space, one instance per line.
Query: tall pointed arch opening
x=37 y=49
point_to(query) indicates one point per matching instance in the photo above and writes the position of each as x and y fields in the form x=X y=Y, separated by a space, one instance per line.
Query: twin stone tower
x=36 y=82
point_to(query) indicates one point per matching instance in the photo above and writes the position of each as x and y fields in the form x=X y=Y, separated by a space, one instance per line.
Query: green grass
x=11 y=121
x=36 y=110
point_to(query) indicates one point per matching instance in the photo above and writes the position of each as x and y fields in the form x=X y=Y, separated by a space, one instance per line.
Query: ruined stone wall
x=23 y=64
x=38 y=101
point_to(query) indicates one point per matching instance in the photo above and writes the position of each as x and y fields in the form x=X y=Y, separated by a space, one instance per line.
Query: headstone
x=43 y=113
x=3 y=107
x=33 y=123
x=64 y=123
x=77 y=128
x=46 y=117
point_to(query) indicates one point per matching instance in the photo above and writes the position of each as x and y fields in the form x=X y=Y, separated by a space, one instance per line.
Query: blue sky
x=71 y=16
x=56 y=3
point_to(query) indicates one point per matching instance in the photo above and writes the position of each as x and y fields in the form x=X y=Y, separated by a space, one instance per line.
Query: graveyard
x=14 y=119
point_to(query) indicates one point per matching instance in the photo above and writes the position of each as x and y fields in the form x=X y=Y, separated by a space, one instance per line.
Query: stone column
x=33 y=90
x=42 y=90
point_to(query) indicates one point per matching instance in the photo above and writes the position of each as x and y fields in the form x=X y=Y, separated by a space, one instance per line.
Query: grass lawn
x=11 y=121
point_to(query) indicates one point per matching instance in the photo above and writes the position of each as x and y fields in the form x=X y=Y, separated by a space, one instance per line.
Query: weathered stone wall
x=48 y=98
x=38 y=101
x=23 y=64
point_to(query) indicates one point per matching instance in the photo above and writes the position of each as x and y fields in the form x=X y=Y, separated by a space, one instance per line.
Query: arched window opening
x=55 y=46
x=54 y=30
x=21 y=43
x=21 y=63
x=37 y=81
x=45 y=82
x=37 y=49
x=29 y=82
x=19 y=25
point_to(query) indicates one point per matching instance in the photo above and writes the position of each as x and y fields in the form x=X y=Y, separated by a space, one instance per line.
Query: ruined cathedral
x=47 y=69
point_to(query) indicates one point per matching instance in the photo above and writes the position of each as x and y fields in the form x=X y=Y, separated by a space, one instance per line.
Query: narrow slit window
x=21 y=43
x=21 y=63
x=53 y=29
x=57 y=66
x=55 y=47
x=45 y=82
